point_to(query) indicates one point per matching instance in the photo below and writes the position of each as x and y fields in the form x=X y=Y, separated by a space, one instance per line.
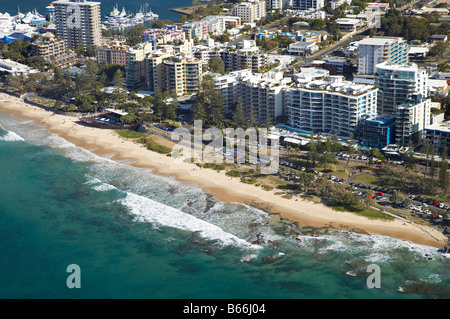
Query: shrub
x=233 y=173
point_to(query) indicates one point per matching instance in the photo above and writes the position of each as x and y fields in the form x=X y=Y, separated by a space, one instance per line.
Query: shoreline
x=187 y=10
x=217 y=184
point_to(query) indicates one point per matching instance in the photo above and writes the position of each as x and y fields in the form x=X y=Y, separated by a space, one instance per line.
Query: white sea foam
x=11 y=137
x=147 y=210
x=103 y=187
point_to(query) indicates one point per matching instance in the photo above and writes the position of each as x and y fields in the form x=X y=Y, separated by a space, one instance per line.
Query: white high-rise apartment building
x=330 y=106
x=398 y=83
x=278 y=4
x=372 y=51
x=412 y=117
x=250 y=11
x=78 y=22
x=308 y=4
x=261 y=92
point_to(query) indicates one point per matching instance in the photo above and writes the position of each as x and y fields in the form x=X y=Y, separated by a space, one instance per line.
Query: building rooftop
x=411 y=67
x=337 y=84
x=379 y=40
x=382 y=118
x=439 y=126
x=83 y=2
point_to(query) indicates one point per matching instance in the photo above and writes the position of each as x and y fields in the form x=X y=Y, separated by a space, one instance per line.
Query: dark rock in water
x=425 y=288
x=271 y=258
x=259 y=240
x=358 y=268
x=254 y=223
x=210 y=202
x=273 y=244
x=290 y=229
x=197 y=240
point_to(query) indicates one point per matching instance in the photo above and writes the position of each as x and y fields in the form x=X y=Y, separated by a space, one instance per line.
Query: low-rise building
x=377 y=131
x=113 y=52
x=302 y=48
x=14 y=68
x=439 y=135
x=348 y=25
x=165 y=35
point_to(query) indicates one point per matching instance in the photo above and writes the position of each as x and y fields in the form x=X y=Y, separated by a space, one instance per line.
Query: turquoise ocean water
x=137 y=235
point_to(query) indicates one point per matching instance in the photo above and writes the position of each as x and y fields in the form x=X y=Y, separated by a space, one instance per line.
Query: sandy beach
x=220 y=186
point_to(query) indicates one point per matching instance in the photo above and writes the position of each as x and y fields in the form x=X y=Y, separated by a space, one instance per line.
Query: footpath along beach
x=219 y=185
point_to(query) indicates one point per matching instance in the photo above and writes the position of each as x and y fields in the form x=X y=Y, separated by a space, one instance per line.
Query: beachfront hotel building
x=398 y=83
x=375 y=50
x=262 y=92
x=113 y=52
x=330 y=105
x=78 y=22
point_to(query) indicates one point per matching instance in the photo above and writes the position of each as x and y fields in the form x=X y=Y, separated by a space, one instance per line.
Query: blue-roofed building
x=377 y=131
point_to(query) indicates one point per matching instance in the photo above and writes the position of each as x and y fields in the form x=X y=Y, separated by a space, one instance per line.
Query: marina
x=119 y=20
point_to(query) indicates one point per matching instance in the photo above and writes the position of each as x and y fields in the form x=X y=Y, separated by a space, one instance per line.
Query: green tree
x=252 y=116
x=432 y=162
x=119 y=84
x=313 y=153
x=211 y=99
x=216 y=65
x=128 y=119
x=427 y=150
x=443 y=172
x=439 y=50
x=199 y=112
x=239 y=115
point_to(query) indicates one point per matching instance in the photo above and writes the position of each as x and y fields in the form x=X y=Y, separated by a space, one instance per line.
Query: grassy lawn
x=130 y=134
x=369 y=213
x=266 y=181
x=339 y=171
x=150 y=141
x=366 y=179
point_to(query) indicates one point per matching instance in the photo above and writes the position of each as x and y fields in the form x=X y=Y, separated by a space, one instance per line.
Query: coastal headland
x=219 y=185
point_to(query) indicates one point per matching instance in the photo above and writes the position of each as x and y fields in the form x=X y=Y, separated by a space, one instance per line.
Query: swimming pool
x=291 y=129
